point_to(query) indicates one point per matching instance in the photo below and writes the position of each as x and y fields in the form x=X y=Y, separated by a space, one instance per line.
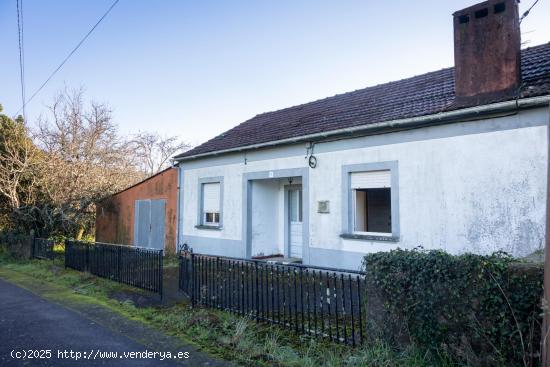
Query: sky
x=197 y=68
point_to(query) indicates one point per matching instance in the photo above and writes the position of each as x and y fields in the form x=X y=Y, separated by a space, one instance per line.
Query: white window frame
x=202 y=222
x=205 y=220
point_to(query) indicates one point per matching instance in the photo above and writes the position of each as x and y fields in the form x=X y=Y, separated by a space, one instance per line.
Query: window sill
x=214 y=228
x=369 y=237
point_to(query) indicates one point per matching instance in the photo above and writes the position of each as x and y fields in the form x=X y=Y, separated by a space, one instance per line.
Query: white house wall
x=265 y=231
x=464 y=187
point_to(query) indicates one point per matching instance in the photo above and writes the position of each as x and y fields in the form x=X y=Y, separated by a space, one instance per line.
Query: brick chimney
x=487 y=51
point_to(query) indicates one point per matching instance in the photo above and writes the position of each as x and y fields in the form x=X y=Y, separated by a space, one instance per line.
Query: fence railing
x=317 y=301
x=135 y=266
x=42 y=248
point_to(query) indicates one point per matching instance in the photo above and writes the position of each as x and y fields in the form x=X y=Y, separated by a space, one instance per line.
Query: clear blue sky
x=197 y=68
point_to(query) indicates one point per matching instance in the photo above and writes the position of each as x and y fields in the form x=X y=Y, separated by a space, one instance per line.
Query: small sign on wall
x=323 y=206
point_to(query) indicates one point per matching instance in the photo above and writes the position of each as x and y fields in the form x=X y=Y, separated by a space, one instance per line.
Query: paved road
x=28 y=322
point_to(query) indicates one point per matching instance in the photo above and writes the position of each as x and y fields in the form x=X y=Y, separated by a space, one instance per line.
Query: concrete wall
x=466 y=187
x=115 y=215
x=266 y=236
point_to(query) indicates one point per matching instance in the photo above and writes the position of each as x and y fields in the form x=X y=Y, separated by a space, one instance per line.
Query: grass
x=171 y=261
x=228 y=336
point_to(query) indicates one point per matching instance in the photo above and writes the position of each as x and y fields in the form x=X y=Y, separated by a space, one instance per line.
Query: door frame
x=248 y=179
x=286 y=209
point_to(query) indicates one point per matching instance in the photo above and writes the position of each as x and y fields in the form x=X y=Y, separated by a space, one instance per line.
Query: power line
x=69 y=55
x=21 y=55
x=526 y=13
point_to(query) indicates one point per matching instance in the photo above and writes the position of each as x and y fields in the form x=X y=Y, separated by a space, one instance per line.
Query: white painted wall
x=468 y=187
x=267 y=239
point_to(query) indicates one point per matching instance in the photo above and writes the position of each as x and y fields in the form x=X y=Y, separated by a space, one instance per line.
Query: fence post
x=257 y=308
x=161 y=260
x=118 y=262
x=192 y=277
x=65 y=254
x=87 y=262
x=32 y=242
x=51 y=244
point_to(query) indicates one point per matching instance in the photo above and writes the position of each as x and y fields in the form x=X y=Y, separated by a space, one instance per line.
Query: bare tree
x=153 y=152
x=50 y=180
x=86 y=159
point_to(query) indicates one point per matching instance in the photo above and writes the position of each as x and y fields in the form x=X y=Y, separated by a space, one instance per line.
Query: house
x=454 y=159
x=143 y=215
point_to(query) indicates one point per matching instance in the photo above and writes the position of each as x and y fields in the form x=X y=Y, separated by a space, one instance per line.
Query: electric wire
x=526 y=13
x=69 y=55
x=20 y=35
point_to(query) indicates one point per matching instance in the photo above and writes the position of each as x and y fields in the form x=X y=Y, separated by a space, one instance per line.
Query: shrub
x=481 y=310
x=16 y=244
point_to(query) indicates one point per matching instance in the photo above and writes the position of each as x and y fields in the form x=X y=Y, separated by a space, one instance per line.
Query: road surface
x=33 y=326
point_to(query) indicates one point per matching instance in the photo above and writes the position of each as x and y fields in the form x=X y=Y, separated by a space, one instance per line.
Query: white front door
x=295 y=220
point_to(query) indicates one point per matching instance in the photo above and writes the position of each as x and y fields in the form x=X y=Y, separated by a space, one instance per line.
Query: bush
x=480 y=310
x=16 y=244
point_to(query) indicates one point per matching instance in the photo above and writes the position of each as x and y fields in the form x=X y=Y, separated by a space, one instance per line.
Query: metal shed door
x=142 y=223
x=149 y=222
x=156 y=239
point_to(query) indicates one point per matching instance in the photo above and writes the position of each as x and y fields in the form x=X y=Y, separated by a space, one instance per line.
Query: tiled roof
x=420 y=95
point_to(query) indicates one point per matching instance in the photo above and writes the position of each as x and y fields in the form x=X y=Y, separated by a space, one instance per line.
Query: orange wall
x=115 y=215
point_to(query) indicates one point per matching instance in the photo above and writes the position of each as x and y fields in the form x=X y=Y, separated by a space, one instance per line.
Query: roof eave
x=465 y=114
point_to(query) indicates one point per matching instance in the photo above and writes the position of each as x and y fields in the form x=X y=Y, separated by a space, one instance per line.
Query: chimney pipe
x=487 y=51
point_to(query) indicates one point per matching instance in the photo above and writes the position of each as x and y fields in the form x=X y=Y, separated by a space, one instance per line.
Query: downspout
x=546 y=300
x=178 y=210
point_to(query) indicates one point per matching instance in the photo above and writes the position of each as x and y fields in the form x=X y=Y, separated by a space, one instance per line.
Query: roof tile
x=420 y=95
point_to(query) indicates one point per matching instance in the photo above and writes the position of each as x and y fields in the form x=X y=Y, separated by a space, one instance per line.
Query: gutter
x=462 y=115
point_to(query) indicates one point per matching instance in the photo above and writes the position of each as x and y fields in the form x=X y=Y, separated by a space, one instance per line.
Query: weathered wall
x=115 y=215
x=266 y=236
x=475 y=186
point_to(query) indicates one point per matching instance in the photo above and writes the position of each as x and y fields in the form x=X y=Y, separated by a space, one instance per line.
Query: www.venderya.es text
x=94 y=354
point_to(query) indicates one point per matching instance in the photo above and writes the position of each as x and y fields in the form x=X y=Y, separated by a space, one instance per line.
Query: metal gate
x=42 y=248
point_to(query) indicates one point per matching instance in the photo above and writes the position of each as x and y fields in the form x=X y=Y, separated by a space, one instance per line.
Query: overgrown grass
x=171 y=261
x=231 y=337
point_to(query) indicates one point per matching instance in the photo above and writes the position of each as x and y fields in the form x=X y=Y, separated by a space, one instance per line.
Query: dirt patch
x=171 y=293
x=137 y=299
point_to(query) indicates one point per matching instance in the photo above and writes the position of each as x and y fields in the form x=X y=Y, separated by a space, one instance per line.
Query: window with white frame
x=211 y=204
x=371 y=195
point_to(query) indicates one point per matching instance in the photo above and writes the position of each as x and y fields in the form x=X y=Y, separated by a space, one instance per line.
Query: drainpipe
x=178 y=211
x=546 y=321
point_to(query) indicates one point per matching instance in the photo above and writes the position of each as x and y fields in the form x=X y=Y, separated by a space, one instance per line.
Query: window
x=371 y=195
x=370 y=206
x=295 y=199
x=211 y=204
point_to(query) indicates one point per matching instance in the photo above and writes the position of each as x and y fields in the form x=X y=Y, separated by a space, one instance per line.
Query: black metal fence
x=317 y=301
x=42 y=248
x=135 y=266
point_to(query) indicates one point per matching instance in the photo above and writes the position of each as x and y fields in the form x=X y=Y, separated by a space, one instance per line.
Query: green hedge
x=480 y=310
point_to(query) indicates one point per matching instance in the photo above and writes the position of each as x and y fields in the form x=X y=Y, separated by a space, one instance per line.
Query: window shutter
x=211 y=197
x=371 y=179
